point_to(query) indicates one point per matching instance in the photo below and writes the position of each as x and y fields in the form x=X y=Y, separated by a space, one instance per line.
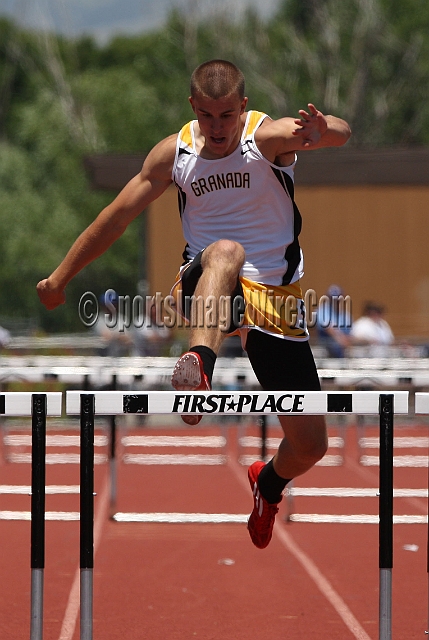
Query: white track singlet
x=241 y=197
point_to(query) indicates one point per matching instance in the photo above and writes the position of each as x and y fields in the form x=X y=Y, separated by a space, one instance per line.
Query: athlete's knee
x=224 y=252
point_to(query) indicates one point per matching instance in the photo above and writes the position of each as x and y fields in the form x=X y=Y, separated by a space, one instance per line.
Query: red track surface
x=207 y=581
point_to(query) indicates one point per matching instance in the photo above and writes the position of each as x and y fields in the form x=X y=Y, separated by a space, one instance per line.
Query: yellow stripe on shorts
x=275 y=309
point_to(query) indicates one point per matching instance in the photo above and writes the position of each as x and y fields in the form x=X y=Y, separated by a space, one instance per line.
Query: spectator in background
x=334 y=322
x=371 y=328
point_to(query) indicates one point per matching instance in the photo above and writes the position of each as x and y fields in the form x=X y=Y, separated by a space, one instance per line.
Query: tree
x=63 y=98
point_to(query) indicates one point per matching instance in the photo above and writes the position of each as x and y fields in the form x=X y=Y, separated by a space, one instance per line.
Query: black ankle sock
x=271 y=484
x=208 y=357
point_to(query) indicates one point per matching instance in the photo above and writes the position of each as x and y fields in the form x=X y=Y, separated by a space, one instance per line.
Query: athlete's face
x=220 y=123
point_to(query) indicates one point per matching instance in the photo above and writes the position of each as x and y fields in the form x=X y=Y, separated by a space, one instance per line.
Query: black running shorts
x=282 y=365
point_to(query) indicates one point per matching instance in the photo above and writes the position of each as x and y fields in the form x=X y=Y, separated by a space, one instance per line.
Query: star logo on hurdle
x=232 y=405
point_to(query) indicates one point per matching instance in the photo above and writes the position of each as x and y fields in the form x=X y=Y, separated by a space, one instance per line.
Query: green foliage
x=126 y=118
x=60 y=99
x=365 y=60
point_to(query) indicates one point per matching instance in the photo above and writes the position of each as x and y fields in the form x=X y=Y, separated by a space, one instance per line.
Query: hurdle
x=38 y=406
x=421 y=407
x=43 y=405
x=385 y=405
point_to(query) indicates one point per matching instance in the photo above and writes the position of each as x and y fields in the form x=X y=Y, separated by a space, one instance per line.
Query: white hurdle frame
x=262 y=403
x=38 y=406
x=421 y=407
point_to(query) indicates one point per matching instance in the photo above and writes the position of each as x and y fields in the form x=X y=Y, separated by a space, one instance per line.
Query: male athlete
x=234 y=173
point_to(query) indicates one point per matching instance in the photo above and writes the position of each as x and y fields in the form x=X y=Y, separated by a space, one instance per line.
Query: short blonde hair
x=216 y=79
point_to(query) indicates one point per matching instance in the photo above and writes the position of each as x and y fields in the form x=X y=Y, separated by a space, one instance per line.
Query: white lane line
x=311 y=569
x=73 y=604
x=330 y=461
x=326 y=461
x=178 y=459
x=52 y=441
x=64 y=516
x=52 y=489
x=352 y=492
x=213 y=518
x=212 y=442
x=54 y=458
x=398 y=461
x=399 y=442
x=273 y=443
x=354 y=519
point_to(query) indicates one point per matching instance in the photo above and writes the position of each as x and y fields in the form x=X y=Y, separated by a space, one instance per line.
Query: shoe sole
x=186 y=373
x=187 y=377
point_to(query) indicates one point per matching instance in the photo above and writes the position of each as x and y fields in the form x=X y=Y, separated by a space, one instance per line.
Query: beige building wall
x=165 y=242
x=371 y=240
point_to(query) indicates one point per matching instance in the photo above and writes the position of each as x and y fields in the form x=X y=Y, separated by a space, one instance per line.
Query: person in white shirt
x=371 y=328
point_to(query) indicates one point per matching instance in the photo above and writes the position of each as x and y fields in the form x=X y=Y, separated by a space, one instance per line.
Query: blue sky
x=105 y=18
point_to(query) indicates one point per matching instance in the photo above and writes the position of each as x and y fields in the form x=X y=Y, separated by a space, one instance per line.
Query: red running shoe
x=188 y=375
x=261 y=521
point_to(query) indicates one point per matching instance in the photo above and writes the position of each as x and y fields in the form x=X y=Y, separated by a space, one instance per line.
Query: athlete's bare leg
x=304 y=444
x=221 y=263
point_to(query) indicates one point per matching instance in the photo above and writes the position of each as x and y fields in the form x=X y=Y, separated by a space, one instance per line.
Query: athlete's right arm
x=112 y=221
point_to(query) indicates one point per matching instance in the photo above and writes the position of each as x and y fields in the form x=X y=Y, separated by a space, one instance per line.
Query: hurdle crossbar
x=236 y=402
x=20 y=403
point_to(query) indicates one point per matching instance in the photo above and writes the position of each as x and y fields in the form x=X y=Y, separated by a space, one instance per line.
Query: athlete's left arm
x=317 y=130
x=313 y=130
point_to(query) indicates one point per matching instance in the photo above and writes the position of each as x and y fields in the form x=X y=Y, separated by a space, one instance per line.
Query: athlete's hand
x=49 y=295
x=312 y=126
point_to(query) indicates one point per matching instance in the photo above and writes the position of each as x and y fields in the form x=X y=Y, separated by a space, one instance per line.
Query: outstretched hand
x=312 y=126
x=49 y=296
